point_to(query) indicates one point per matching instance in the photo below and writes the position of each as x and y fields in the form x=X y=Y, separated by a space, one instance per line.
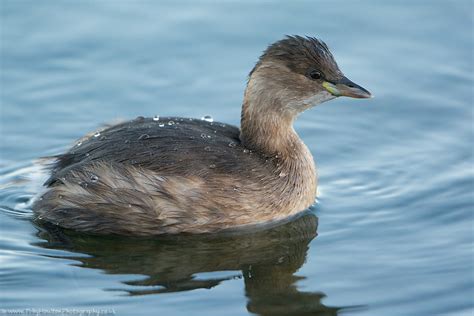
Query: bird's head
x=297 y=73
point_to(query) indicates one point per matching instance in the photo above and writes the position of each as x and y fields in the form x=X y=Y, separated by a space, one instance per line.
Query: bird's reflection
x=266 y=260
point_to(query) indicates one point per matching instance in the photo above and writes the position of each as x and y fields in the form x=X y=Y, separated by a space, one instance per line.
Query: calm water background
x=395 y=211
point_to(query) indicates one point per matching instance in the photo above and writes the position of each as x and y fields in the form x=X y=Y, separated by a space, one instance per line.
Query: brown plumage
x=173 y=175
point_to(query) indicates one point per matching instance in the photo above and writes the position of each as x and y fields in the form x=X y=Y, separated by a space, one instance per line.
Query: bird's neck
x=274 y=137
x=267 y=129
x=267 y=133
x=266 y=124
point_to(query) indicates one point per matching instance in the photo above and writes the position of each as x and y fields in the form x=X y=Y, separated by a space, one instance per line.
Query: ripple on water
x=19 y=187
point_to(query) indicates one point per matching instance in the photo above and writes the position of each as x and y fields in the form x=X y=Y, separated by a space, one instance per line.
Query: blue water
x=395 y=211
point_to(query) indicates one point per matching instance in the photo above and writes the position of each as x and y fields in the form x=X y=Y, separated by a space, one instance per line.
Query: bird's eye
x=315 y=75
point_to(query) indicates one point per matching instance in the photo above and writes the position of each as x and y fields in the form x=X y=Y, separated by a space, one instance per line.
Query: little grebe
x=170 y=175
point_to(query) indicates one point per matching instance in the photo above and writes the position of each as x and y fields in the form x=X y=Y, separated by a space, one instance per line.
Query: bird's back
x=170 y=175
x=176 y=145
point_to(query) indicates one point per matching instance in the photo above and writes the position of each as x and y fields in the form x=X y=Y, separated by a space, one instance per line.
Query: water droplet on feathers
x=207 y=118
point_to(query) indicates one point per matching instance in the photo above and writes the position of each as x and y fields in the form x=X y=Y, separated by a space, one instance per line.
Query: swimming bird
x=169 y=175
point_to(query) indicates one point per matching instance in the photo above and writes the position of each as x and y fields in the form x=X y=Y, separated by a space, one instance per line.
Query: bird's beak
x=346 y=88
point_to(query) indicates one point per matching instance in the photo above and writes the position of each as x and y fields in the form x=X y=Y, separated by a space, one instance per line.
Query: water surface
x=392 y=232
